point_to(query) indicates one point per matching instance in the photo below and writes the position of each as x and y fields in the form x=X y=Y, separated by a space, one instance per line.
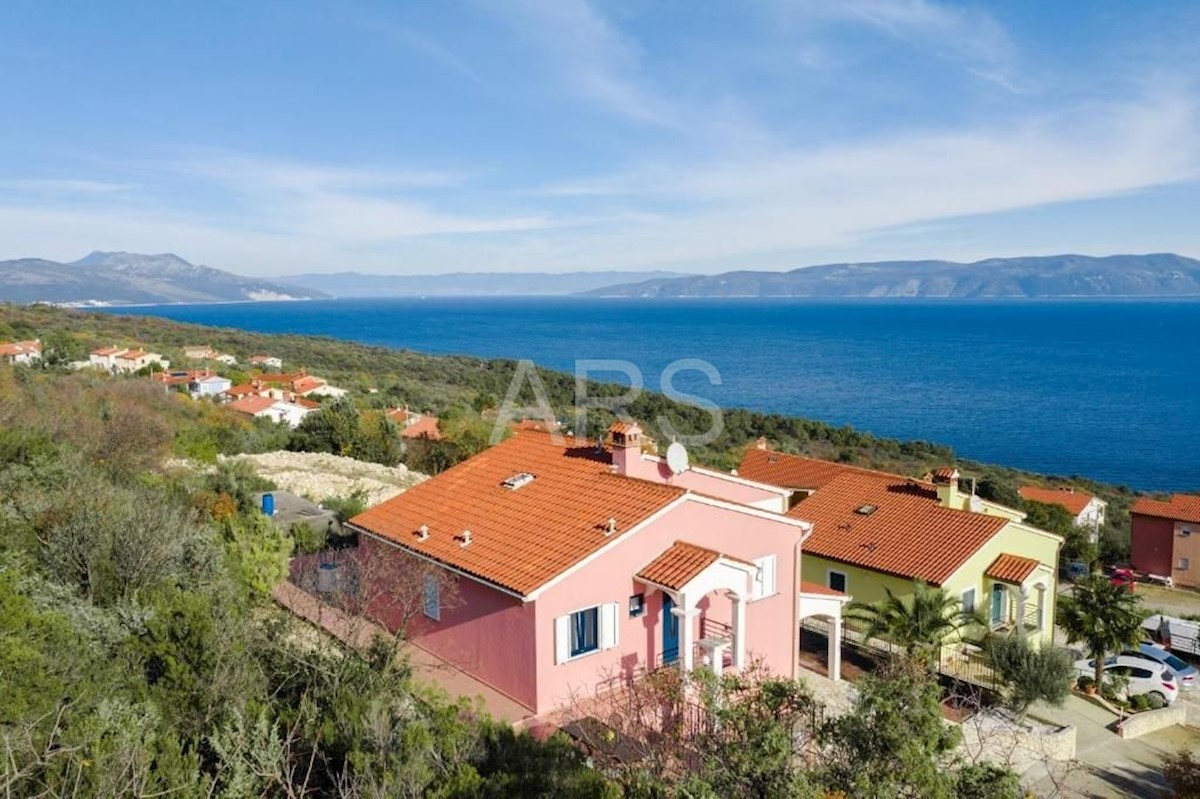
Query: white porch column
x=687 y=643
x=739 y=630
x=835 y=648
x=1021 y=602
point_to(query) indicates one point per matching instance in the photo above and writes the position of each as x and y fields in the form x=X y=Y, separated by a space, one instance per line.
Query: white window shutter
x=764 y=578
x=609 y=619
x=562 y=639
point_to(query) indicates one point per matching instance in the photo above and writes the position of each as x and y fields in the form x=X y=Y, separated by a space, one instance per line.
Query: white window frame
x=829 y=580
x=608 y=625
x=431 y=597
x=766 y=579
x=962 y=599
x=1183 y=564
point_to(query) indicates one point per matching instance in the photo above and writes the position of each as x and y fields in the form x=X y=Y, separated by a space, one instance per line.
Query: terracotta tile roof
x=108 y=351
x=302 y=385
x=893 y=525
x=816 y=588
x=244 y=390
x=14 y=348
x=520 y=538
x=678 y=565
x=304 y=402
x=1011 y=568
x=252 y=405
x=793 y=471
x=623 y=427
x=1180 y=508
x=1074 y=501
x=402 y=415
x=134 y=354
x=425 y=427
x=183 y=376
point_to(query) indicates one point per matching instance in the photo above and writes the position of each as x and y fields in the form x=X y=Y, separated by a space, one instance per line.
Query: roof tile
x=891 y=524
x=1074 y=501
x=1011 y=568
x=678 y=565
x=1180 y=508
x=522 y=538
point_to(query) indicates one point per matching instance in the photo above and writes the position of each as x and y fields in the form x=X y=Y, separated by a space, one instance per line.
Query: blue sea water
x=1106 y=389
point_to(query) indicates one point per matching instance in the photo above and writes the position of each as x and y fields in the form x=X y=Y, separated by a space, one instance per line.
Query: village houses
x=1165 y=538
x=415 y=425
x=1087 y=510
x=23 y=352
x=122 y=359
x=207 y=353
x=592 y=562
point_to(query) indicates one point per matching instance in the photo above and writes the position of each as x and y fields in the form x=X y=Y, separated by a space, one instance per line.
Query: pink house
x=579 y=566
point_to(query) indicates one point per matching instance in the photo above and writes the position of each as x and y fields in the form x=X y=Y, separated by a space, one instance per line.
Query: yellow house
x=873 y=530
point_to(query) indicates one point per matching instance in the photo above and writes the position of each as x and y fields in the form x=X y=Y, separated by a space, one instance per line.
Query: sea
x=1107 y=389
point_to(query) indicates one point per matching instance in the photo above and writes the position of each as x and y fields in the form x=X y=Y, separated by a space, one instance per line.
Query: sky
x=280 y=138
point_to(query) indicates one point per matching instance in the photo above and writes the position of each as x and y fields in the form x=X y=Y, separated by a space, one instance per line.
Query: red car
x=1123 y=577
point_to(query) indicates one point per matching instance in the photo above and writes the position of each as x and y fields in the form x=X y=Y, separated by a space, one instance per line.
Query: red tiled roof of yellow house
x=894 y=525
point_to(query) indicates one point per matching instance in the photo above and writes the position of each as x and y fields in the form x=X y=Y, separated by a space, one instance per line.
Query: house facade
x=1165 y=538
x=578 y=566
x=290 y=411
x=23 y=352
x=1087 y=510
x=875 y=531
x=266 y=362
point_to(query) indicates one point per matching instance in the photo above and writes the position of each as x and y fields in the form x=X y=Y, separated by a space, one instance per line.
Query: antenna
x=677 y=458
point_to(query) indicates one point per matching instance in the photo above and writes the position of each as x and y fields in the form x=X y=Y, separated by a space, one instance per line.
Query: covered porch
x=1020 y=597
x=698 y=584
x=818 y=603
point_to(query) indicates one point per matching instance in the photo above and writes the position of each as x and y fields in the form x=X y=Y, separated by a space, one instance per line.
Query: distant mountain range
x=123 y=278
x=1156 y=275
x=355 y=284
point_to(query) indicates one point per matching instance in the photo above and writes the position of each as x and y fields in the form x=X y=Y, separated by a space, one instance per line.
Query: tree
x=1104 y=617
x=917 y=624
x=893 y=743
x=1030 y=673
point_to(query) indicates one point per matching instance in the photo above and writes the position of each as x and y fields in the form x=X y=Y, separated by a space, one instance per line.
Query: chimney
x=626 y=447
x=761 y=443
x=946 y=480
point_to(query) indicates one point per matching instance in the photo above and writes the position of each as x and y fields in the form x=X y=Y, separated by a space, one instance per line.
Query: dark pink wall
x=485 y=632
x=1151 y=542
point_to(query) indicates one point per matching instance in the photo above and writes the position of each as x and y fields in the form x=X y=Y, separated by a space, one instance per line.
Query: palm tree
x=917 y=624
x=1103 y=617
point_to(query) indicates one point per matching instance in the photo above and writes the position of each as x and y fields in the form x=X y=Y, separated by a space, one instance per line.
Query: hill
x=122 y=278
x=464 y=284
x=1155 y=275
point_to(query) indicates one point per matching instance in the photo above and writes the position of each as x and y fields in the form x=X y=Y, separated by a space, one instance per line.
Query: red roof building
x=1165 y=538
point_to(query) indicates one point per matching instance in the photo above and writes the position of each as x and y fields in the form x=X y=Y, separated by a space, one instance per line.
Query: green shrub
x=1154 y=702
x=308 y=538
x=1139 y=702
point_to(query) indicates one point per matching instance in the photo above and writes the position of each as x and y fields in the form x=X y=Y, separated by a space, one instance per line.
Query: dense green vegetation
x=141 y=655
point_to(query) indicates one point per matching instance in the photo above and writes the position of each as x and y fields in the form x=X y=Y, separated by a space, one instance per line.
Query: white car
x=1145 y=676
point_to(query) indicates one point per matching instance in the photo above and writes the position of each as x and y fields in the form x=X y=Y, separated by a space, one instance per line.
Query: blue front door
x=670 y=628
x=997 y=603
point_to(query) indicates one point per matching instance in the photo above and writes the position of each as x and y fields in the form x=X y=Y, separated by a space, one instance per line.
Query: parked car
x=1074 y=570
x=1123 y=577
x=1145 y=677
x=1181 y=636
x=1186 y=672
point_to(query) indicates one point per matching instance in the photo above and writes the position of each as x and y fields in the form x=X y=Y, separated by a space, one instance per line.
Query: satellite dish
x=677 y=458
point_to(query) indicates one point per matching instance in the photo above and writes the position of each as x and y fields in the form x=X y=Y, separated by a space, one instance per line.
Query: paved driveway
x=1106 y=765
